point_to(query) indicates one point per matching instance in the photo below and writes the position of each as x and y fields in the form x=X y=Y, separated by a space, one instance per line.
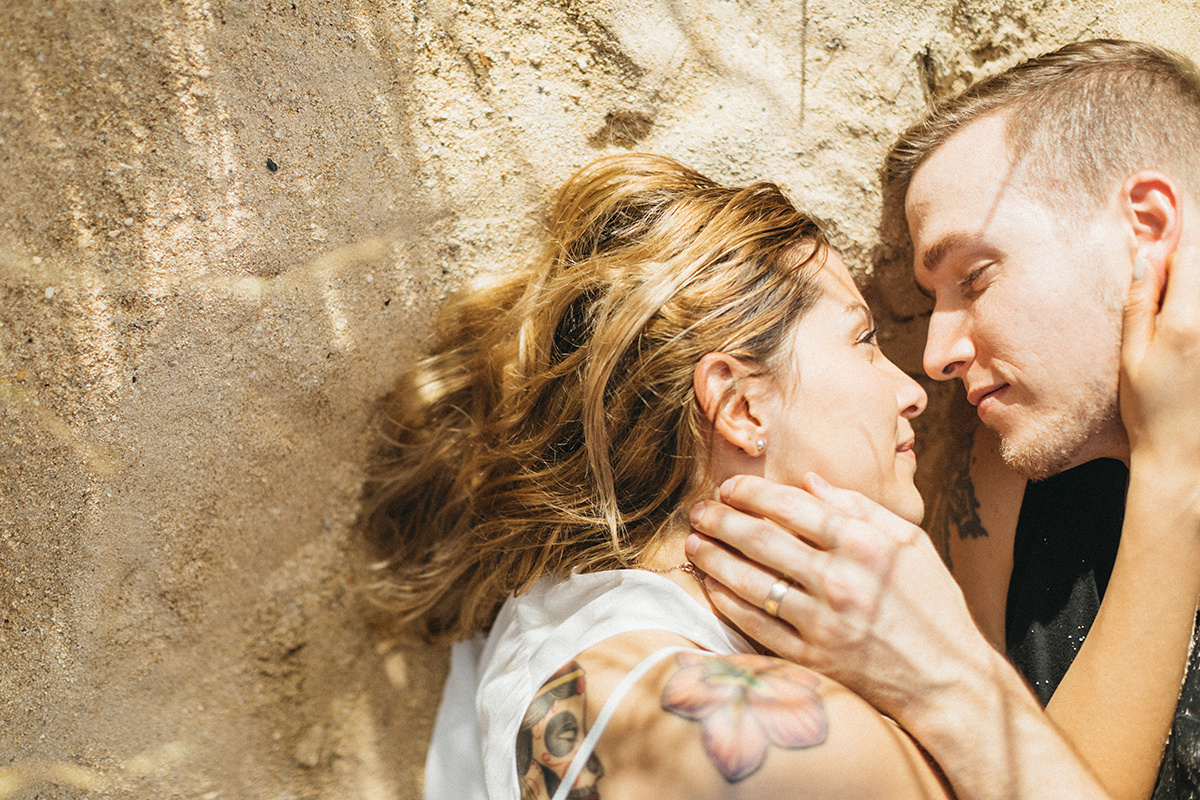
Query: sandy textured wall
x=222 y=228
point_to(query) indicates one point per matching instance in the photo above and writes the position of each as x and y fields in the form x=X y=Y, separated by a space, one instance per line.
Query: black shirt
x=1066 y=544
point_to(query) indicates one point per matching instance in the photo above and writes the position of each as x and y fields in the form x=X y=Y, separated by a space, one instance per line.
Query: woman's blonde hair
x=555 y=426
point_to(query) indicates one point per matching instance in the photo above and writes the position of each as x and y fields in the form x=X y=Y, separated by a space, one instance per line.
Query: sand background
x=223 y=227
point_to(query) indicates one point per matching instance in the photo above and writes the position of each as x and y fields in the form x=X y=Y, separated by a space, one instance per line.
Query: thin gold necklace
x=686 y=566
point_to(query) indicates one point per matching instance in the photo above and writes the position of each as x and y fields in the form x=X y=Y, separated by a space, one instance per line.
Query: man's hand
x=870 y=603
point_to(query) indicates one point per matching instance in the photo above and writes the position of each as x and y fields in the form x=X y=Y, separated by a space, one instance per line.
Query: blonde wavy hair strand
x=554 y=428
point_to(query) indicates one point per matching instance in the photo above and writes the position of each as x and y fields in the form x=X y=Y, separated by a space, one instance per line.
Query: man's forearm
x=992 y=740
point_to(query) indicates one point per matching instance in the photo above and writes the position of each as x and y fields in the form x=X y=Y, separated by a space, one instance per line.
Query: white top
x=492 y=682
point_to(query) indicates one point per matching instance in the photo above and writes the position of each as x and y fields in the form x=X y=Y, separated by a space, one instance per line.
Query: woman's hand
x=1160 y=369
x=1144 y=625
x=867 y=602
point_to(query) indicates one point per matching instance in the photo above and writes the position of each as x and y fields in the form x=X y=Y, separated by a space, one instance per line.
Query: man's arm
x=975 y=513
x=1116 y=701
x=925 y=662
x=1115 y=704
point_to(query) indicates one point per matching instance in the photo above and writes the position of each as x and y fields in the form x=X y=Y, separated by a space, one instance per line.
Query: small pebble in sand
x=310 y=750
x=396 y=669
x=271 y=165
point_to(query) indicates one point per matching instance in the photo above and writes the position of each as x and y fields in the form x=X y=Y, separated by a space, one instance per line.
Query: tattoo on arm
x=959 y=509
x=550 y=736
x=745 y=703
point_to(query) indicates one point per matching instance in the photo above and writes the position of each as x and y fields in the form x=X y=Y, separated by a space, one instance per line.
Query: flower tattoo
x=744 y=703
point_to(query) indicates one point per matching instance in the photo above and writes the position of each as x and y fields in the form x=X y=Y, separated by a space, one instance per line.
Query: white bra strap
x=610 y=707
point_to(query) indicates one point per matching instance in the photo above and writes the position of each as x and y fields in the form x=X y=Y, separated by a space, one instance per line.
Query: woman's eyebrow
x=859 y=308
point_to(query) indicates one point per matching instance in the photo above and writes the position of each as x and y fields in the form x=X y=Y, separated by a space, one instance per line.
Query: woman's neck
x=668 y=559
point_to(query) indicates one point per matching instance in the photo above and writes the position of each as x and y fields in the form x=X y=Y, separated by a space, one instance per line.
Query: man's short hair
x=1079 y=118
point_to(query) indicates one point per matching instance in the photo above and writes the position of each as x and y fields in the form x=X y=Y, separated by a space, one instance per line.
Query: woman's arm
x=1117 y=700
x=698 y=726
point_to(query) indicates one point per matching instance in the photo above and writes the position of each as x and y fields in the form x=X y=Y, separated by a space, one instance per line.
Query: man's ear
x=1153 y=205
x=730 y=395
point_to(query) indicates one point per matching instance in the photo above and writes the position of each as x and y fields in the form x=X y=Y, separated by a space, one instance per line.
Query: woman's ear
x=731 y=396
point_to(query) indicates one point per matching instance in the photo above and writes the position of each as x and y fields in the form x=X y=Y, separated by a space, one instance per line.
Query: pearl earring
x=761 y=445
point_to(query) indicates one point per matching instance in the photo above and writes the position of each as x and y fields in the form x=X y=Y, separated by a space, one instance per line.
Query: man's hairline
x=1074 y=209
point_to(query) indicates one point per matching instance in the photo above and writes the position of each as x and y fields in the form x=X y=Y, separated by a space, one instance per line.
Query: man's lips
x=976 y=396
x=906 y=448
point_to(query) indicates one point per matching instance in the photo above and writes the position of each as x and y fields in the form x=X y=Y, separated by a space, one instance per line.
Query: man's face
x=1027 y=302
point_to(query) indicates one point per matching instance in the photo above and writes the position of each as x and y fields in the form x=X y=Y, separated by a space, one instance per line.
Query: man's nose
x=948 y=348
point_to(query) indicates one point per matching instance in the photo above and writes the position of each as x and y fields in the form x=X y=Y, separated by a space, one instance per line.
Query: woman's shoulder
x=700 y=724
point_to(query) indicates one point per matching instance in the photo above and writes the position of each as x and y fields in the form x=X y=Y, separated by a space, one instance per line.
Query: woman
x=672 y=333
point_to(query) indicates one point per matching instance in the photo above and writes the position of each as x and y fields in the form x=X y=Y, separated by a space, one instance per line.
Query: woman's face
x=843 y=409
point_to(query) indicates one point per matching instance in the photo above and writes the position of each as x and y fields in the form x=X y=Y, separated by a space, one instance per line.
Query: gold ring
x=774 y=595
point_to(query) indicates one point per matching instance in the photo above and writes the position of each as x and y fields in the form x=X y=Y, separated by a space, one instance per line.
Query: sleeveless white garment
x=492 y=681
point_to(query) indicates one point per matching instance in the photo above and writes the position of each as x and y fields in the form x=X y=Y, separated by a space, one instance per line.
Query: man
x=1033 y=200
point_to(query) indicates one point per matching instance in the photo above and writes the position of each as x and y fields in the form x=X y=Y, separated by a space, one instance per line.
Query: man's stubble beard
x=1082 y=427
x=1060 y=441
x=1061 y=438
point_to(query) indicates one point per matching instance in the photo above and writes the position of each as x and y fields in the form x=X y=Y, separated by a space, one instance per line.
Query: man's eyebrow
x=937 y=252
